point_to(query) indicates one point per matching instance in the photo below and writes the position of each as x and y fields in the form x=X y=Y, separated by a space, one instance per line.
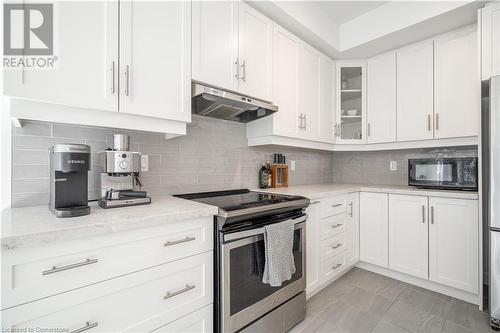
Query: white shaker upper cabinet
x=327 y=95
x=415 y=92
x=453 y=243
x=215 y=43
x=86 y=69
x=408 y=235
x=381 y=99
x=309 y=90
x=456 y=84
x=155 y=63
x=255 y=53
x=373 y=228
x=287 y=121
x=490 y=40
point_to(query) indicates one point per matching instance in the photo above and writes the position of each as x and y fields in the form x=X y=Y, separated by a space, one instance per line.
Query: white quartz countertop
x=325 y=190
x=32 y=226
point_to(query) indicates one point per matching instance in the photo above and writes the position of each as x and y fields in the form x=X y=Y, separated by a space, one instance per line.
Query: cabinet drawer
x=332 y=246
x=32 y=273
x=141 y=301
x=333 y=206
x=334 y=266
x=332 y=226
x=200 y=321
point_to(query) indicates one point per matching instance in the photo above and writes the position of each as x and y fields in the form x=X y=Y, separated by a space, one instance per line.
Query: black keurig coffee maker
x=69 y=166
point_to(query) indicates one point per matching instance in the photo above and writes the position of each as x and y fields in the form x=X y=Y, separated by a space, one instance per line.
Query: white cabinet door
x=326 y=117
x=255 y=53
x=453 y=243
x=200 y=321
x=309 y=90
x=373 y=228
x=490 y=40
x=285 y=83
x=408 y=235
x=86 y=70
x=313 y=278
x=381 y=99
x=457 y=88
x=415 y=92
x=352 y=202
x=155 y=50
x=215 y=43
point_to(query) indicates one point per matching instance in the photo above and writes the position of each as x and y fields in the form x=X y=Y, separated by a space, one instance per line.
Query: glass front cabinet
x=350 y=119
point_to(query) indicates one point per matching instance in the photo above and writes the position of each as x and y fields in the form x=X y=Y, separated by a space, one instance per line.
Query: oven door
x=244 y=296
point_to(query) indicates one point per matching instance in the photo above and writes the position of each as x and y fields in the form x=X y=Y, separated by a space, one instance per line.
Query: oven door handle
x=259 y=231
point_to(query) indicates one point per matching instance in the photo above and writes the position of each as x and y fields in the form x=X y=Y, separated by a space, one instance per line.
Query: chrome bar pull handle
x=437 y=121
x=336 y=205
x=178 y=292
x=337 y=225
x=237 y=69
x=369 y=130
x=113 y=86
x=127 y=80
x=87 y=327
x=429 y=122
x=423 y=213
x=179 y=241
x=244 y=71
x=351 y=211
x=55 y=269
x=305 y=121
x=432 y=214
x=336 y=246
x=336 y=266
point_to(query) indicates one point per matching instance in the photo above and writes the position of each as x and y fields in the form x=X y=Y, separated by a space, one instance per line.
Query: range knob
x=124 y=165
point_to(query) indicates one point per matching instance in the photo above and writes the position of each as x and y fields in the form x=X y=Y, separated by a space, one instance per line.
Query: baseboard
x=426 y=284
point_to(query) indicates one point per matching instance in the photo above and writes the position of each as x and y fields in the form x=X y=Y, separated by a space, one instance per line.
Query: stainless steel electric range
x=243 y=303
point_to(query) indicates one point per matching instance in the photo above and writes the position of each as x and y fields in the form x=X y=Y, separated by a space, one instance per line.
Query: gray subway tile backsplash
x=212 y=156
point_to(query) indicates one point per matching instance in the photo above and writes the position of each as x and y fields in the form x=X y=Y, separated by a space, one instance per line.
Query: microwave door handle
x=258 y=231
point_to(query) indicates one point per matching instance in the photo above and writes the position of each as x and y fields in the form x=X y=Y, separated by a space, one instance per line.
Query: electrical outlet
x=393 y=166
x=144 y=163
x=292 y=165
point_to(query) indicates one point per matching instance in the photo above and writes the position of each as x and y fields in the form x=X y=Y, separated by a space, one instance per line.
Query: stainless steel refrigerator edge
x=491 y=193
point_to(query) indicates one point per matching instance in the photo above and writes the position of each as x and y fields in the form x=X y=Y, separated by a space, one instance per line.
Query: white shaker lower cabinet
x=200 y=321
x=312 y=249
x=453 y=243
x=352 y=202
x=373 y=228
x=408 y=241
x=137 y=302
x=155 y=63
x=332 y=239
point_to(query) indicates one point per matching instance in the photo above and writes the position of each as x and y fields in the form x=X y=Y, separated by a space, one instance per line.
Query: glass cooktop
x=239 y=199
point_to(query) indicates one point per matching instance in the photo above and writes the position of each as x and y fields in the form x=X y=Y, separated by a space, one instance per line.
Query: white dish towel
x=278 y=242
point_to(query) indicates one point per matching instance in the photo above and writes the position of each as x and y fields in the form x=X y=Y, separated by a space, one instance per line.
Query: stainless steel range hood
x=217 y=103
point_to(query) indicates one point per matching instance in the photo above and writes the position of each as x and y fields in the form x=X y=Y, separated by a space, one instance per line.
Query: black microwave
x=455 y=173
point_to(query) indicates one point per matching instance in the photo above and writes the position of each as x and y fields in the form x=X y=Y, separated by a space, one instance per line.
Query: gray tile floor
x=362 y=301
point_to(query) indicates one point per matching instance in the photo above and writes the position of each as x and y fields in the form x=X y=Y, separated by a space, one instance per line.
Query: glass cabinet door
x=350 y=111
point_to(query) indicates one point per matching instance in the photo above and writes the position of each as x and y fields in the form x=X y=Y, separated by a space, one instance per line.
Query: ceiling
x=343 y=11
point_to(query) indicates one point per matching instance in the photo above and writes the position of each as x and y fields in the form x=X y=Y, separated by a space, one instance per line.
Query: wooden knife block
x=279 y=173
